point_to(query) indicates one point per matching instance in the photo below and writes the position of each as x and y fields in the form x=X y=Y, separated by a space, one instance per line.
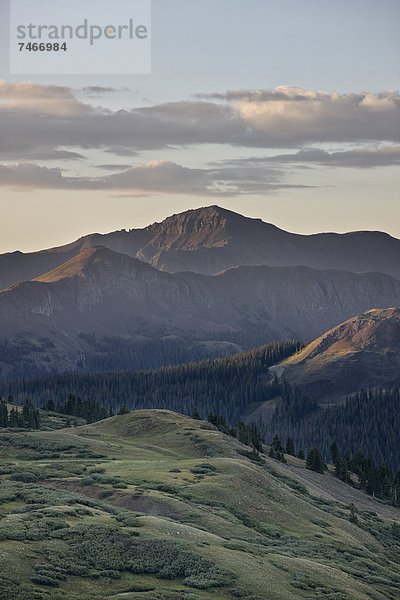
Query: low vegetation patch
x=100 y=551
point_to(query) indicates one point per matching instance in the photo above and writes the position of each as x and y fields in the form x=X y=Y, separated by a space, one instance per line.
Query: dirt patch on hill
x=154 y=507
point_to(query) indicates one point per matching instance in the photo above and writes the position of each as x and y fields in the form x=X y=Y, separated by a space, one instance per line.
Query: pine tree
x=3 y=414
x=334 y=453
x=13 y=418
x=342 y=469
x=353 y=514
x=396 y=530
x=290 y=447
x=276 y=450
x=315 y=461
x=50 y=406
x=196 y=415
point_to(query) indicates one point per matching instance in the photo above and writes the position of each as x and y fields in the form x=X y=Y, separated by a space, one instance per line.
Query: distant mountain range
x=203 y=283
x=59 y=316
x=212 y=239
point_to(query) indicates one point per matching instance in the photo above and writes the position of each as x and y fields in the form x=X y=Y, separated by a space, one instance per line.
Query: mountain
x=363 y=352
x=154 y=505
x=59 y=317
x=209 y=240
x=344 y=387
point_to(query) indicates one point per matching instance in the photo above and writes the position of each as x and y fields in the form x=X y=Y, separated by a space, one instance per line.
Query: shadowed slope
x=105 y=293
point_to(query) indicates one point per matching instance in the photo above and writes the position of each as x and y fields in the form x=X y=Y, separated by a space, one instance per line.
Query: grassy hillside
x=153 y=505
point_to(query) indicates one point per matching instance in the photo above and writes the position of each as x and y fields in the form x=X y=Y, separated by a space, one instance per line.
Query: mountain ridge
x=363 y=352
x=212 y=239
x=103 y=293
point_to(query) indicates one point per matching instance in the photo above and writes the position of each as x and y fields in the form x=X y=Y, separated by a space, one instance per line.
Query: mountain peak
x=211 y=239
x=89 y=259
x=213 y=215
x=205 y=219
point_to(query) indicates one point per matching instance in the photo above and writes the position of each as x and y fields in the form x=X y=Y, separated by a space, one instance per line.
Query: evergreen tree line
x=117 y=354
x=27 y=417
x=314 y=460
x=368 y=421
x=246 y=434
x=224 y=386
x=377 y=480
x=27 y=359
x=90 y=410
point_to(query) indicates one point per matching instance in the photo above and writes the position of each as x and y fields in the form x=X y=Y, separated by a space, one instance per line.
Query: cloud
x=282 y=92
x=45 y=100
x=322 y=117
x=361 y=158
x=51 y=117
x=118 y=151
x=98 y=89
x=30 y=176
x=294 y=116
x=113 y=167
x=155 y=177
x=41 y=153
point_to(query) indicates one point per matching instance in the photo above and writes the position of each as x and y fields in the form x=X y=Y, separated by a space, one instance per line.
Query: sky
x=285 y=110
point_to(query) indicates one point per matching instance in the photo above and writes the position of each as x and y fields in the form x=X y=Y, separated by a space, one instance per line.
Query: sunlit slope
x=363 y=352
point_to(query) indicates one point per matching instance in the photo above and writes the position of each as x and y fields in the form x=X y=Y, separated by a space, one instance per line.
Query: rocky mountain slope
x=212 y=239
x=104 y=293
x=363 y=352
x=153 y=505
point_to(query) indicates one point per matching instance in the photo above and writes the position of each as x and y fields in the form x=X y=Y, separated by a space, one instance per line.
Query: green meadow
x=153 y=505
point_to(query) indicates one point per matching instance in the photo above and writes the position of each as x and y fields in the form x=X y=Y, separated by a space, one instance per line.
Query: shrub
x=203 y=469
x=44 y=580
x=110 y=574
x=106 y=493
x=109 y=549
x=25 y=477
x=201 y=583
x=138 y=587
x=86 y=481
x=128 y=519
